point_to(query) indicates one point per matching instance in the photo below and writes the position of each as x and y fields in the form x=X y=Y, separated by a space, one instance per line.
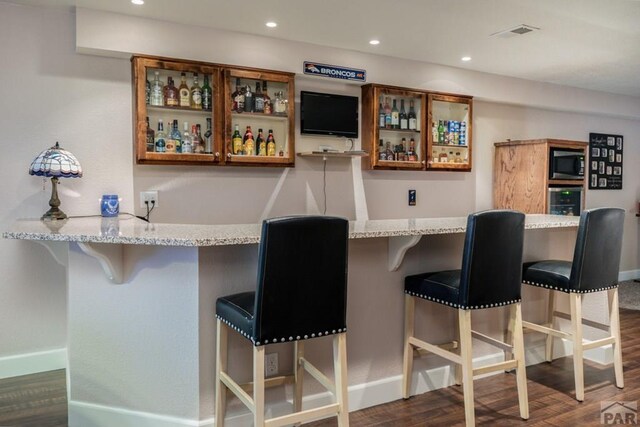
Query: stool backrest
x=492 y=259
x=596 y=259
x=302 y=278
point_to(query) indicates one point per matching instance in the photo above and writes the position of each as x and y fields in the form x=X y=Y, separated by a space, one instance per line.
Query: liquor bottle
x=196 y=139
x=382 y=155
x=412 y=156
x=187 y=141
x=261 y=144
x=268 y=108
x=381 y=116
x=281 y=103
x=248 y=142
x=389 y=151
x=395 y=116
x=184 y=91
x=236 y=141
x=172 y=96
x=434 y=132
x=147 y=92
x=249 y=103
x=403 y=148
x=156 y=90
x=206 y=94
x=151 y=140
x=446 y=132
x=404 y=120
x=387 y=114
x=440 y=132
x=160 y=138
x=271 y=144
x=258 y=99
x=237 y=98
x=207 y=138
x=196 y=93
x=413 y=121
x=176 y=137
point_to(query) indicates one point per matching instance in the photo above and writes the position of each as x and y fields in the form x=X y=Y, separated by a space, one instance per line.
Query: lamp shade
x=56 y=162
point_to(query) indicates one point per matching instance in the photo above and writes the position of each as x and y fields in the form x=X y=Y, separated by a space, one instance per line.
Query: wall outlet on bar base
x=148 y=196
x=271 y=364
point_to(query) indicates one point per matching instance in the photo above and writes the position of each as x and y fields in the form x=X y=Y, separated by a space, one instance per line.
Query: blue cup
x=109 y=205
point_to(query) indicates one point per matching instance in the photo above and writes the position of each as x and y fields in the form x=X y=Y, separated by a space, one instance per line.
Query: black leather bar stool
x=301 y=294
x=490 y=277
x=596 y=261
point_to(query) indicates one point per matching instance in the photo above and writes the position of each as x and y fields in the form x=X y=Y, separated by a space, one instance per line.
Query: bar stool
x=301 y=294
x=596 y=260
x=490 y=277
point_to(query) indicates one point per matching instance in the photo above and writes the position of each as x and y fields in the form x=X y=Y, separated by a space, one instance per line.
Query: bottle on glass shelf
x=281 y=151
x=249 y=101
x=382 y=154
x=196 y=93
x=413 y=121
x=160 y=138
x=434 y=132
x=236 y=141
x=171 y=94
x=208 y=138
x=271 y=144
x=147 y=92
x=196 y=139
x=258 y=99
x=268 y=108
x=395 y=116
x=404 y=120
x=381 y=115
x=248 y=142
x=187 y=141
x=184 y=91
x=174 y=143
x=412 y=156
x=261 y=144
x=440 y=132
x=389 y=151
x=151 y=138
x=387 y=114
x=280 y=103
x=237 y=98
x=155 y=97
x=206 y=94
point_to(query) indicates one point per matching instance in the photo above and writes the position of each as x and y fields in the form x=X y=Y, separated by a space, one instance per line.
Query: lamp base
x=54 y=213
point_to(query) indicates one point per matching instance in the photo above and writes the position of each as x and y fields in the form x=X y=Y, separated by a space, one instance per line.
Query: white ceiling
x=593 y=44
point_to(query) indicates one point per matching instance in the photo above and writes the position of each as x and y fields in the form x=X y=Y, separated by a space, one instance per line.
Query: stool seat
x=237 y=311
x=556 y=275
x=442 y=287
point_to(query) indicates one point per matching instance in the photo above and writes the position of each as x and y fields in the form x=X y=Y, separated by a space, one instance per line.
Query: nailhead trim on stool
x=570 y=291
x=276 y=340
x=463 y=307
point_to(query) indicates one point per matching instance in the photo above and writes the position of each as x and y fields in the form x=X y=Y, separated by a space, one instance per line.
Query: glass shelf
x=185 y=109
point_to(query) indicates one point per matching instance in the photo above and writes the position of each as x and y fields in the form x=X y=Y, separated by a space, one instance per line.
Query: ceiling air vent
x=519 y=30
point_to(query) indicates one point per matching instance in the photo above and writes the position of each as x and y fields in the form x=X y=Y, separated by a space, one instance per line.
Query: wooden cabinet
x=449 y=149
x=521 y=174
x=216 y=121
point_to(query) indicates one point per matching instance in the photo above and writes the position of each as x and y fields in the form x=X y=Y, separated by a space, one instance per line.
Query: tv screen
x=328 y=114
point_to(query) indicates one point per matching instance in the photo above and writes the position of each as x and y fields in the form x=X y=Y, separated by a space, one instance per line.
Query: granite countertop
x=130 y=230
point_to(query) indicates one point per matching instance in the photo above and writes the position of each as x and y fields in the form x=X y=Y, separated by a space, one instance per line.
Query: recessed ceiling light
x=374 y=42
x=271 y=24
x=138 y=2
x=466 y=58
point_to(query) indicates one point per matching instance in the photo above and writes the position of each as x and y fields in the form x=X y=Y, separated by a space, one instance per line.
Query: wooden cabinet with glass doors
x=449 y=139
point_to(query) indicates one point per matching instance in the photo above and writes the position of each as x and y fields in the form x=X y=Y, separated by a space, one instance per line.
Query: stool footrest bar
x=235 y=388
x=307 y=415
x=494 y=342
x=545 y=330
x=501 y=366
x=585 y=322
x=598 y=343
x=435 y=350
x=319 y=376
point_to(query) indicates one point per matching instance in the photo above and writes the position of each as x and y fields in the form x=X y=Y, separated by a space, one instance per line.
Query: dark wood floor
x=39 y=400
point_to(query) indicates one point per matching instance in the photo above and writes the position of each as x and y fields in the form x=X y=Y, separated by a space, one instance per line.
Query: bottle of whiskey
x=155 y=98
x=395 y=116
x=268 y=108
x=184 y=91
x=160 y=138
x=413 y=121
x=171 y=94
x=382 y=155
x=237 y=98
x=248 y=142
x=206 y=94
x=381 y=115
x=176 y=137
x=196 y=93
x=258 y=99
x=389 y=151
x=387 y=114
x=236 y=141
x=249 y=103
x=404 y=120
x=151 y=138
x=208 y=138
x=271 y=144
x=187 y=141
x=261 y=144
x=196 y=139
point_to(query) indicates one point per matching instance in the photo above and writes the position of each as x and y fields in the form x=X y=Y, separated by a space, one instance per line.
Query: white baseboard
x=628 y=275
x=32 y=363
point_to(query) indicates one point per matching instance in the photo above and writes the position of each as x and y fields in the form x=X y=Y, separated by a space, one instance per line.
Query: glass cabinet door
x=449 y=132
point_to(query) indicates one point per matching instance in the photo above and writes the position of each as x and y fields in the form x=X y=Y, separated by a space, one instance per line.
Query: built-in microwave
x=565 y=163
x=565 y=200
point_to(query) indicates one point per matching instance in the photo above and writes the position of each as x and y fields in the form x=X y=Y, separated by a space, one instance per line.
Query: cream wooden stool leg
x=298 y=372
x=258 y=386
x=509 y=336
x=518 y=351
x=221 y=366
x=576 y=332
x=548 y=346
x=340 y=371
x=614 y=322
x=466 y=354
x=457 y=367
x=407 y=365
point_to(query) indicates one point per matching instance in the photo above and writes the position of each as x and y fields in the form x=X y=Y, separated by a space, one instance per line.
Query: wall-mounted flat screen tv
x=328 y=114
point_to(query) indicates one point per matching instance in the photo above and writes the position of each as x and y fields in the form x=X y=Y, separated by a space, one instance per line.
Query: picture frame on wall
x=606 y=161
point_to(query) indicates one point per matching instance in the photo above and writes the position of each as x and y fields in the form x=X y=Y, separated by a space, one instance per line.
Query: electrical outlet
x=148 y=196
x=271 y=364
x=412 y=197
